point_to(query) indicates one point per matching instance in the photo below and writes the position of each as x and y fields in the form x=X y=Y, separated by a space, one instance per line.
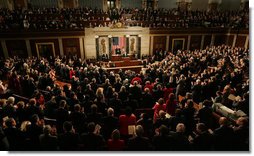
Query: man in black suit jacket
x=242 y=134
x=181 y=142
x=62 y=115
x=224 y=136
x=13 y=135
x=163 y=141
x=69 y=140
x=204 y=141
x=92 y=141
x=138 y=142
x=109 y=123
x=47 y=141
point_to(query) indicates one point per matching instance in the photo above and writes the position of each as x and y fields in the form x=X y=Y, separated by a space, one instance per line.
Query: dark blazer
x=14 y=137
x=110 y=123
x=48 y=142
x=92 y=142
x=62 y=115
x=68 y=141
x=203 y=142
x=139 y=144
x=224 y=138
x=163 y=143
x=181 y=142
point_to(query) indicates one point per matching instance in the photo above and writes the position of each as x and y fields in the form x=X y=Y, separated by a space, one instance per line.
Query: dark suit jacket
x=163 y=143
x=139 y=144
x=203 y=142
x=48 y=142
x=110 y=123
x=224 y=138
x=181 y=142
x=68 y=141
x=92 y=142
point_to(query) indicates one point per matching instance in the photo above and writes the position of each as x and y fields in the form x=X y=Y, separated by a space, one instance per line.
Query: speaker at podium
x=118 y=51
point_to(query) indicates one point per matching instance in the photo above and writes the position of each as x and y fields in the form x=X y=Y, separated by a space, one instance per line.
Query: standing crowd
x=104 y=110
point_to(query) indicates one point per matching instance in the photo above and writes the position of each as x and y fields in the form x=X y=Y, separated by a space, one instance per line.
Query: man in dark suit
x=241 y=132
x=47 y=141
x=163 y=141
x=205 y=114
x=34 y=131
x=224 y=136
x=204 y=140
x=92 y=141
x=110 y=123
x=118 y=51
x=62 y=115
x=181 y=142
x=69 y=140
x=138 y=142
x=13 y=135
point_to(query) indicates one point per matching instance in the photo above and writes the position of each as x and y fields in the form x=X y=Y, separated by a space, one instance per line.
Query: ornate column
x=81 y=45
x=5 y=50
x=244 y=4
x=118 y=4
x=144 y=4
x=60 y=4
x=202 y=42
x=28 y=47
x=10 y=4
x=104 y=5
x=127 y=44
x=110 y=46
x=60 y=42
x=155 y=4
x=97 y=47
x=213 y=5
x=139 y=45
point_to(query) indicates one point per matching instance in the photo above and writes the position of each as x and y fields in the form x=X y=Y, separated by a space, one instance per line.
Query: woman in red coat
x=160 y=105
x=116 y=144
x=125 y=120
x=171 y=104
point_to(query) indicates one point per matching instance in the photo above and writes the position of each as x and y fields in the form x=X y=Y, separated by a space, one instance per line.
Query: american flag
x=118 y=42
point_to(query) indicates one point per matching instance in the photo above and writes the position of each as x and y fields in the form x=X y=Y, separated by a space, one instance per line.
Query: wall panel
x=44 y=3
x=240 y=41
x=91 y=3
x=16 y=48
x=167 y=4
x=171 y=38
x=131 y=3
x=230 y=40
x=71 y=46
x=159 y=42
x=195 y=42
x=220 y=39
x=35 y=41
x=207 y=40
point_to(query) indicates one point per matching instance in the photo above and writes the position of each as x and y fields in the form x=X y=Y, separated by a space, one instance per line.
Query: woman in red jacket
x=171 y=104
x=160 y=105
x=116 y=144
x=125 y=120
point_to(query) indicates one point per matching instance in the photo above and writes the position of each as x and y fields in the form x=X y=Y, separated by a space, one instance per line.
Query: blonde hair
x=24 y=125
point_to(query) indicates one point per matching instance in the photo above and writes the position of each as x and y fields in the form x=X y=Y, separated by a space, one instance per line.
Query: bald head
x=223 y=121
x=139 y=130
